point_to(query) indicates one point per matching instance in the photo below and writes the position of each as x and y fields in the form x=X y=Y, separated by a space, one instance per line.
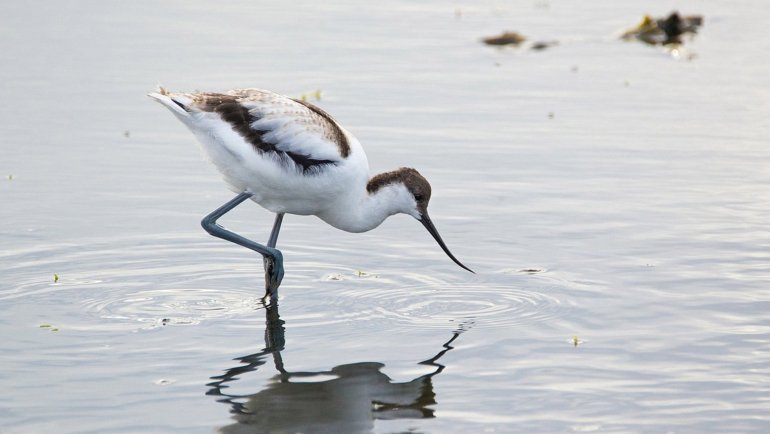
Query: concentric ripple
x=141 y=284
x=184 y=281
x=173 y=306
x=378 y=300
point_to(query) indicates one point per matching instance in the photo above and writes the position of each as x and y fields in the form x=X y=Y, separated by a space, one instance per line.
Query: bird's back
x=287 y=152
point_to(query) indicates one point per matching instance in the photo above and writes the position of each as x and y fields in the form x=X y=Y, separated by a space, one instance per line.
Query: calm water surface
x=606 y=193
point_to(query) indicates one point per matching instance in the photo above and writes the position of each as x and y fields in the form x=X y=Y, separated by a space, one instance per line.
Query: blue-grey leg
x=276 y=229
x=270 y=263
x=273 y=259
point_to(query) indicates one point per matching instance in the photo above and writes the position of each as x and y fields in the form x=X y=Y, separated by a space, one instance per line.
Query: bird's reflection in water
x=345 y=399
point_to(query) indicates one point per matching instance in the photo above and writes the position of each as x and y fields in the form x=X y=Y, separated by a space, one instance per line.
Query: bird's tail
x=177 y=103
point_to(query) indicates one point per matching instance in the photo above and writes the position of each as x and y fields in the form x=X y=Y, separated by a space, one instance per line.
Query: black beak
x=425 y=220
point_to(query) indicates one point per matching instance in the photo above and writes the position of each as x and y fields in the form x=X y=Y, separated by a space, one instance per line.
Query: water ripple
x=180 y=280
x=171 y=306
x=137 y=283
x=372 y=300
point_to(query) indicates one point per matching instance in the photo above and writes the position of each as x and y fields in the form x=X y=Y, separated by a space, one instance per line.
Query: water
x=605 y=192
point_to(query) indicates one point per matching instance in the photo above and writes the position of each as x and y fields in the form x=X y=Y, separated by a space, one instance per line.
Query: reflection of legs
x=273 y=259
x=275 y=340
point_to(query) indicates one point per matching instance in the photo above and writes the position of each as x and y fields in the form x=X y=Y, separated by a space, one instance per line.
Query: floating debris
x=49 y=327
x=576 y=341
x=10 y=177
x=542 y=45
x=505 y=38
x=334 y=276
x=664 y=31
x=531 y=270
x=516 y=39
x=127 y=134
x=55 y=278
x=314 y=96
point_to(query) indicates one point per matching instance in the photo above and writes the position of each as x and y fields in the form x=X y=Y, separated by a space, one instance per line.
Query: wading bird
x=290 y=156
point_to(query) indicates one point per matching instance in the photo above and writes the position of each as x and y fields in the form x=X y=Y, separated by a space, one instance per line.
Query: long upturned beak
x=425 y=220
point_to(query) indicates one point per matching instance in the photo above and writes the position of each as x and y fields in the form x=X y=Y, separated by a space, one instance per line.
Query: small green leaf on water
x=54 y=330
x=55 y=278
x=43 y=326
x=315 y=95
x=576 y=341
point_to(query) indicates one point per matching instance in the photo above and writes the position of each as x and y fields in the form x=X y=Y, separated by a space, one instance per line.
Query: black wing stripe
x=241 y=121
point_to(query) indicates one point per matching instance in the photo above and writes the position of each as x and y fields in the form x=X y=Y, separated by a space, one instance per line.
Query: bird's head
x=413 y=196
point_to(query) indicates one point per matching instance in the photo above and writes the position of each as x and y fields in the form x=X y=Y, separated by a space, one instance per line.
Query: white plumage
x=292 y=157
x=277 y=182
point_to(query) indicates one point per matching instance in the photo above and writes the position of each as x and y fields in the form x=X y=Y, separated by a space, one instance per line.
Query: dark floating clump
x=505 y=38
x=542 y=45
x=664 y=31
x=516 y=39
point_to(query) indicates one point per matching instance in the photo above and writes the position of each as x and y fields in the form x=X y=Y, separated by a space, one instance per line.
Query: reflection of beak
x=425 y=220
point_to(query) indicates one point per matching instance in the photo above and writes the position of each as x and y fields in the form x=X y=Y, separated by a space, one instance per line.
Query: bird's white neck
x=368 y=210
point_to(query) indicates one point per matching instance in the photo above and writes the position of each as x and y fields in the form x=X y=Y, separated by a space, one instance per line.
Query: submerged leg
x=274 y=274
x=269 y=262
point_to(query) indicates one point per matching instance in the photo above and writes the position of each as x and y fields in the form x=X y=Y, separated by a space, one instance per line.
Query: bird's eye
x=418 y=197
